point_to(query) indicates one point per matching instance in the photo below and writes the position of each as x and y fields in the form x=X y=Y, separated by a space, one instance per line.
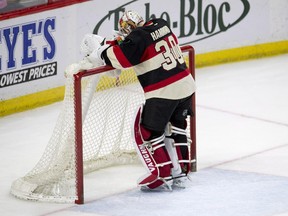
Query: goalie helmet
x=129 y=20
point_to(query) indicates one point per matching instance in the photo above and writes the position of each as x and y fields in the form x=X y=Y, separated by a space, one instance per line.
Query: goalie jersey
x=153 y=51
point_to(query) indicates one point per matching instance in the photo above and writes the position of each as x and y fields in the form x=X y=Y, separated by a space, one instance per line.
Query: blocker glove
x=89 y=43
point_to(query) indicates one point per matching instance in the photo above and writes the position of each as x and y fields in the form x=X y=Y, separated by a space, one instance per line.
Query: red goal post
x=78 y=118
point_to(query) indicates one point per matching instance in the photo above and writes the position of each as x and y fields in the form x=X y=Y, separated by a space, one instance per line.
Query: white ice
x=242 y=147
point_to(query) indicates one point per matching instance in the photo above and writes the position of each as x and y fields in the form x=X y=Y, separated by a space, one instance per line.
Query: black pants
x=157 y=112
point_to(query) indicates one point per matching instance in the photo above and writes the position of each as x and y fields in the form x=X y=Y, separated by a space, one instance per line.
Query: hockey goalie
x=152 y=49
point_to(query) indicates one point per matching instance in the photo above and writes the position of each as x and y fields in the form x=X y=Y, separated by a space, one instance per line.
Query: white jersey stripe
x=177 y=90
x=113 y=59
x=149 y=65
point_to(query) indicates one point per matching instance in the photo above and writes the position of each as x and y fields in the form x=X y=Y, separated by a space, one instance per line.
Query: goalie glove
x=96 y=56
x=89 y=43
x=90 y=47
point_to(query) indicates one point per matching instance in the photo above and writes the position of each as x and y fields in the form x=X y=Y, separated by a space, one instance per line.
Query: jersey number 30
x=172 y=53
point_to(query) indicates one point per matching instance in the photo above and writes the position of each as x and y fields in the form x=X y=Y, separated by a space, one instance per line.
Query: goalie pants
x=157 y=112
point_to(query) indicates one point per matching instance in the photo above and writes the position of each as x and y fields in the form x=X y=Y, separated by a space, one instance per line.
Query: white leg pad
x=169 y=144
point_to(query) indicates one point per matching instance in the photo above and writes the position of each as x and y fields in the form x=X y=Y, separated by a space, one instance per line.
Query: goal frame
x=78 y=120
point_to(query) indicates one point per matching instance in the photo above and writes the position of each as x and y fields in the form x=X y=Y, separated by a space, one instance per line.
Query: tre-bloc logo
x=19 y=57
x=191 y=20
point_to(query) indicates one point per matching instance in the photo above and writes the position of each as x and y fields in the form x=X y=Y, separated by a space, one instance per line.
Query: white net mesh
x=109 y=105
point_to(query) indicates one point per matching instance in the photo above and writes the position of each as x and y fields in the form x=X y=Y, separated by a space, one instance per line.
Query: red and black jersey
x=153 y=51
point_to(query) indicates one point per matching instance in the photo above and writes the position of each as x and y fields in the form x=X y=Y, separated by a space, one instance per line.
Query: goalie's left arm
x=89 y=44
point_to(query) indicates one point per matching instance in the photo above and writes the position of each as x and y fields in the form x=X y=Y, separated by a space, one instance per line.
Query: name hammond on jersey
x=160 y=33
x=18 y=52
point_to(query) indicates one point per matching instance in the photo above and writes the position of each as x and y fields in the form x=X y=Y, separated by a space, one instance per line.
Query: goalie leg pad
x=176 y=143
x=162 y=159
x=153 y=156
x=169 y=144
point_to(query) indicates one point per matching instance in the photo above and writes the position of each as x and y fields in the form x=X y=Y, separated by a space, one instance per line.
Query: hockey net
x=93 y=131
